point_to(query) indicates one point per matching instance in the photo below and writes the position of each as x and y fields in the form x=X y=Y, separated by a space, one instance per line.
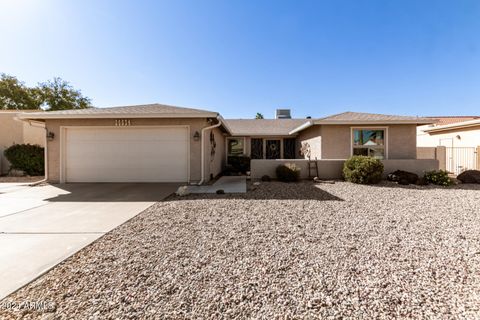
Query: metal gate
x=460 y=159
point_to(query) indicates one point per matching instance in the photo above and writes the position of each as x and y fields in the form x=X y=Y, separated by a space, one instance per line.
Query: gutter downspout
x=202 y=169
x=45 y=150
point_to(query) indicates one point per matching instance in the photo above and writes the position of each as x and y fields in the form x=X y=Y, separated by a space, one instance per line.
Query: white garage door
x=134 y=154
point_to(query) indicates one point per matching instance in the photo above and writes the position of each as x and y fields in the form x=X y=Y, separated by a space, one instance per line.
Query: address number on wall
x=122 y=122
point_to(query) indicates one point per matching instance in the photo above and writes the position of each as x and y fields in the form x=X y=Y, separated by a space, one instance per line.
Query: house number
x=122 y=122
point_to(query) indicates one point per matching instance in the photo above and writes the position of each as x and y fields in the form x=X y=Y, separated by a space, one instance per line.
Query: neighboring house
x=450 y=132
x=163 y=143
x=460 y=135
x=16 y=132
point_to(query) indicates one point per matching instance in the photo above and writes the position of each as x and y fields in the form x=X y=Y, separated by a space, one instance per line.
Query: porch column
x=441 y=156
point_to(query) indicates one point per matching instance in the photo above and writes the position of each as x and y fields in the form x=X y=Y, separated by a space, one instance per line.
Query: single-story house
x=161 y=143
x=15 y=132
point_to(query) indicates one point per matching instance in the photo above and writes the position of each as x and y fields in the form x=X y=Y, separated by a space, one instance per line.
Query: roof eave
x=304 y=126
x=224 y=124
x=368 y=122
x=247 y=134
x=458 y=125
x=46 y=116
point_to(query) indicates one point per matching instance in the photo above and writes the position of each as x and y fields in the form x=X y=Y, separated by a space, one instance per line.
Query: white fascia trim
x=224 y=124
x=454 y=126
x=304 y=126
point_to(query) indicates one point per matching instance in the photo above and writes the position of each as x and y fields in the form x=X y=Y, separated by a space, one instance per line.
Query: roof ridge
x=152 y=105
x=334 y=115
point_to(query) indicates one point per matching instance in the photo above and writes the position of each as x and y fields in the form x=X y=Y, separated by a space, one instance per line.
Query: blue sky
x=414 y=57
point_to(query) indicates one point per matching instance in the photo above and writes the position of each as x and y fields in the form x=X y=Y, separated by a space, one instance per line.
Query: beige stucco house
x=16 y=132
x=146 y=143
x=161 y=143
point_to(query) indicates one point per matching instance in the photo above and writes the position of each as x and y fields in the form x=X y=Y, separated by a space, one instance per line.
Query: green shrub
x=363 y=170
x=438 y=177
x=288 y=172
x=26 y=157
x=239 y=163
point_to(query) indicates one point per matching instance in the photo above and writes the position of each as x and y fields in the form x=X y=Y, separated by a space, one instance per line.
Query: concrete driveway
x=42 y=226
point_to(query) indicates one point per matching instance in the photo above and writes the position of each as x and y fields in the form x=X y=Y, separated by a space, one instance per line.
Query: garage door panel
x=141 y=165
x=121 y=175
x=111 y=134
x=166 y=150
x=157 y=154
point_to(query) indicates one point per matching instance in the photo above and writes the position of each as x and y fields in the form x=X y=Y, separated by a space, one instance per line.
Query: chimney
x=283 y=114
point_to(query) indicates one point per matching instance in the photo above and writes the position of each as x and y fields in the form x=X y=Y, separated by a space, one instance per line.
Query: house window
x=272 y=149
x=235 y=146
x=369 y=142
x=256 y=148
x=289 y=148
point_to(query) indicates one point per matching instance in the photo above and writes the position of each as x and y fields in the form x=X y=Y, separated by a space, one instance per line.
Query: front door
x=272 y=149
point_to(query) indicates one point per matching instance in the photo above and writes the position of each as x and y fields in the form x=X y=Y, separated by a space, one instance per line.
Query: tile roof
x=454 y=125
x=444 y=120
x=145 y=110
x=263 y=127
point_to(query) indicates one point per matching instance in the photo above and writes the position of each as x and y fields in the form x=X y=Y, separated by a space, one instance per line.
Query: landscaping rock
x=403 y=177
x=220 y=191
x=182 y=191
x=266 y=178
x=469 y=176
x=421 y=182
x=283 y=251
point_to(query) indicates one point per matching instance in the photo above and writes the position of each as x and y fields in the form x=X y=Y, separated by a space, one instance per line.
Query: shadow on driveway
x=114 y=192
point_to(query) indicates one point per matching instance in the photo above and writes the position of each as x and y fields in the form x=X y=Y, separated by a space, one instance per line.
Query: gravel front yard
x=280 y=251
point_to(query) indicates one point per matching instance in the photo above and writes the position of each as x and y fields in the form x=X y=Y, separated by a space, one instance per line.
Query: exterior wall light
x=50 y=136
x=196 y=136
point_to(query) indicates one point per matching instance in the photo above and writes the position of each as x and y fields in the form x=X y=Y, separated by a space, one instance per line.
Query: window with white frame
x=235 y=146
x=369 y=142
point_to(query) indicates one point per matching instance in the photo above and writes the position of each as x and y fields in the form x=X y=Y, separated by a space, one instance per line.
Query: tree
x=259 y=116
x=15 y=95
x=60 y=95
